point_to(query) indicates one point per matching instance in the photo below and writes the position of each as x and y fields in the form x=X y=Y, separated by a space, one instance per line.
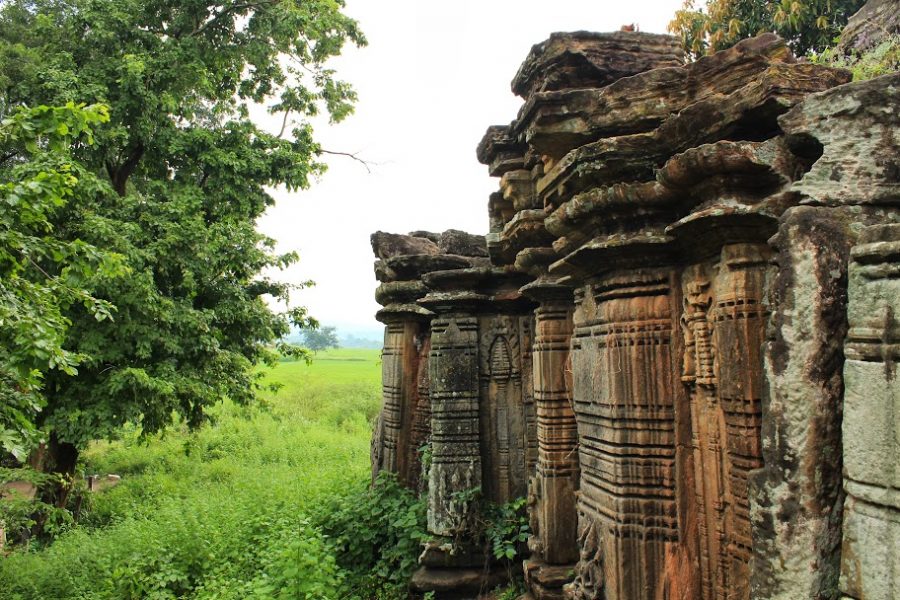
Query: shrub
x=376 y=533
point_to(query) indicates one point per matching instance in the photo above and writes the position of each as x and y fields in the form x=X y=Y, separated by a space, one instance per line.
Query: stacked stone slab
x=707 y=256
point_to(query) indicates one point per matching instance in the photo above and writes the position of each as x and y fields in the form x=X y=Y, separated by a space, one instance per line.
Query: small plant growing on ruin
x=501 y=529
x=874 y=62
x=507 y=528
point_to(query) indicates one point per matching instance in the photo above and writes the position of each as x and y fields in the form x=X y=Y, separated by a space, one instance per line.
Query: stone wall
x=677 y=340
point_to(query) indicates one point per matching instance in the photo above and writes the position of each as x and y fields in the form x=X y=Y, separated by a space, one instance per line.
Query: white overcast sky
x=433 y=77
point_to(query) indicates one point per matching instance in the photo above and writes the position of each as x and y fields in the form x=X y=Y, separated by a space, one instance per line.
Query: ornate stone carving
x=589 y=575
x=455 y=439
x=723 y=325
x=552 y=501
x=503 y=414
x=624 y=406
x=672 y=400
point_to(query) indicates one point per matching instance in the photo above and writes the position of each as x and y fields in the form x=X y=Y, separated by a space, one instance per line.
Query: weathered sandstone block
x=587 y=59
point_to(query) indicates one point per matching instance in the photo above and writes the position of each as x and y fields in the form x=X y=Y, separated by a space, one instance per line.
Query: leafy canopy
x=42 y=274
x=806 y=25
x=180 y=176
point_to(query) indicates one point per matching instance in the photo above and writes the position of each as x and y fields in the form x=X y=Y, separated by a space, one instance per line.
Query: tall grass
x=237 y=508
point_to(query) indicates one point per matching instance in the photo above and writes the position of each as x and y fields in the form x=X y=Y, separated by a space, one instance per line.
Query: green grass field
x=251 y=505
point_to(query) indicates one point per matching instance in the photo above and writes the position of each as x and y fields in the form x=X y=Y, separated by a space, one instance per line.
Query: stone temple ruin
x=679 y=339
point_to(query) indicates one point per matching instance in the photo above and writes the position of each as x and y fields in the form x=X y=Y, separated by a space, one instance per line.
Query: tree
x=41 y=275
x=320 y=338
x=806 y=25
x=181 y=175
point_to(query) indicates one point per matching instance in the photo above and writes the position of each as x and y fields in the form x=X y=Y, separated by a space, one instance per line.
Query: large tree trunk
x=56 y=457
x=60 y=459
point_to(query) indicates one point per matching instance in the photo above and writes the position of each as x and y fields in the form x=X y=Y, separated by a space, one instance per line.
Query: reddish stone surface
x=668 y=338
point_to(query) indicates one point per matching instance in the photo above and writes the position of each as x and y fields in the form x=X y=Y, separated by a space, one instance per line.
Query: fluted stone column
x=554 y=520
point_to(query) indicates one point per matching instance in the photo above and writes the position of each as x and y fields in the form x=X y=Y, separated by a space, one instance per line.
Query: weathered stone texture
x=855 y=128
x=678 y=338
x=553 y=123
x=552 y=499
x=587 y=59
x=797 y=495
x=870 y=566
x=872 y=24
x=624 y=404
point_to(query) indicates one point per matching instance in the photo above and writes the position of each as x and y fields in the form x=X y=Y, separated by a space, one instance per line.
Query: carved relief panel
x=504 y=351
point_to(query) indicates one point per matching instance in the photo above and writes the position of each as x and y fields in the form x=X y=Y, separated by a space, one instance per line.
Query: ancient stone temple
x=679 y=339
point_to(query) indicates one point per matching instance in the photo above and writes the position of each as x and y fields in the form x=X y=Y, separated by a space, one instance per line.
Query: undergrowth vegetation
x=265 y=503
x=881 y=59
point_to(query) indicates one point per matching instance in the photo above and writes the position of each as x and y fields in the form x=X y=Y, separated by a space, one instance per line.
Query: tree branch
x=229 y=10
x=366 y=163
x=6 y=157
x=284 y=123
x=119 y=175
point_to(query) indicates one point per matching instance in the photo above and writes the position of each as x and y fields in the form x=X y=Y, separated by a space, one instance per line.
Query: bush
x=377 y=533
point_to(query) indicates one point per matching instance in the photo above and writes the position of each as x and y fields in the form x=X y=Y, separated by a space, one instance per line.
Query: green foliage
x=377 y=532
x=43 y=273
x=882 y=59
x=507 y=528
x=426 y=452
x=502 y=529
x=19 y=513
x=806 y=25
x=320 y=338
x=513 y=591
x=233 y=510
x=179 y=177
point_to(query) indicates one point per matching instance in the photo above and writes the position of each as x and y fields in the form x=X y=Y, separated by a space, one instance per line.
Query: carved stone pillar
x=455 y=451
x=796 y=496
x=396 y=451
x=723 y=325
x=402 y=425
x=553 y=516
x=624 y=392
x=479 y=431
x=870 y=560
